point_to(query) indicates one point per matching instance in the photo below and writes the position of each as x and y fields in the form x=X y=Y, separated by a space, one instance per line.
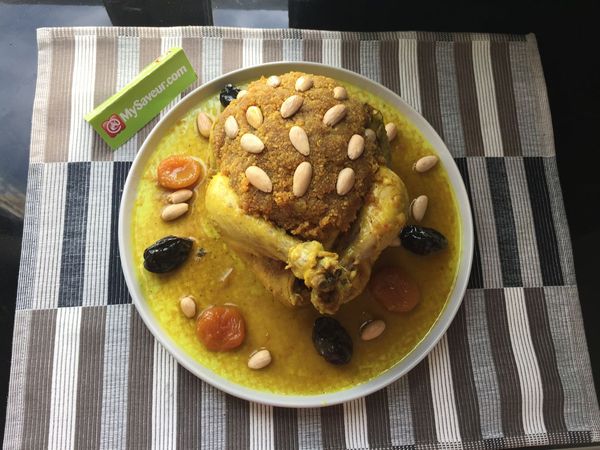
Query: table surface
x=566 y=56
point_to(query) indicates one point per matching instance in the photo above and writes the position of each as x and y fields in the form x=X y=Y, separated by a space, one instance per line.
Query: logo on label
x=114 y=125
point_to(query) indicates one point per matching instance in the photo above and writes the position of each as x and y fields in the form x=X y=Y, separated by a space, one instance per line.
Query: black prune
x=332 y=341
x=167 y=254
x=228 y=94
x=422 y=240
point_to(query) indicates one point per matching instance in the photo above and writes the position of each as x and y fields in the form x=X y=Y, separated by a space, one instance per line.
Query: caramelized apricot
x=395 y=290
x=221 y=328
x=178 y=172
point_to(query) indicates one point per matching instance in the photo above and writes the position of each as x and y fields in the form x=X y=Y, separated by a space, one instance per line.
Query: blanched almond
x=188 y=306
x=372 y=329
x=231 y=127
x=290 y=106
x=356 y=146
x=251 y=143
x=345 y=181
x=173 y=212
x=418 y=207
x=259 y=359
x=334 y=115
x=391 y=131
x=304 y=84
x=299 y=140
x=425 y=163
x=302 y=177
x=241 y=93
x=254 y=116
x=180 y=196
x=204 y=124
x=339 y=93
x=259 y=179
x=273 y=81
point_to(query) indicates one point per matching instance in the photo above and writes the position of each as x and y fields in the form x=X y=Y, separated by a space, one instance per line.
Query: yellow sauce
x=286 y=332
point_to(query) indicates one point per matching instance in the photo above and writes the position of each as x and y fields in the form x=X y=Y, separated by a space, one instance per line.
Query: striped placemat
x=513 y=369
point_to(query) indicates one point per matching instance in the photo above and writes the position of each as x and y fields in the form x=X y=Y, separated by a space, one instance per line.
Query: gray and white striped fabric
x=513 y=369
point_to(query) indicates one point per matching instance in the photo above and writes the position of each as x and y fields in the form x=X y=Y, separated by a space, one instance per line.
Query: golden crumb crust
x=321 y=212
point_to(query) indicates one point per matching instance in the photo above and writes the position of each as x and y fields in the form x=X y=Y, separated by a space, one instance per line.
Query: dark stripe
x=545 y=233
x=505 y=222
x=332 y=427
x=285 y=428
x=74 y=234
x=467 y=98
x=36 y=415
x=272 y=50
x=428 y=80
x=378 y=420
x=504 y=362
x=238 y=423
x=117 y=289
x=388 y=54
x=139 y=386
x=476 y=278
x=467 y=405
x=312 y=50
x=88 y=416
x=422 y=404
x=505 y=98
x=232 y=54
x=351 y=55
x=105 y=86
x=543 y=344
x=189 y=413
x=193 y=49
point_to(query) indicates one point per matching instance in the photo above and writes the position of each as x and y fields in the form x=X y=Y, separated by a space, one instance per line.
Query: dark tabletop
x=568 y=46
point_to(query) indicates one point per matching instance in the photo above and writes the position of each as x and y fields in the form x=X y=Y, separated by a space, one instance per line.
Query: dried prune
x=332 y=341
x=167 y=254
x=228 y=94
x=422 y=240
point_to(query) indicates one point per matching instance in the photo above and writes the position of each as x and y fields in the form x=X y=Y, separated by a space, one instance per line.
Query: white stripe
x=47 y=268
x=212 y=58
x=309 y=428
x=164 y=399
x=166 y=43
x=356 y=432
x=409 y=73
x=64 y=379
x=39 y=118
x=401 y=421
x=113 y=431
x=82 y=98
x=252 y=54
x=370 y=65
x=261 y=427
x=97 y=243
x=292 y=50
x=332 y=51
x=442 y=393
x=527 y=365
x=212 y=417
x=128 y=66
x=486 y=99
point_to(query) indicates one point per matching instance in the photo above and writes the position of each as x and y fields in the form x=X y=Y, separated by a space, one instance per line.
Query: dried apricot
x=221 y=328
x=178 y=172
x=395 y=290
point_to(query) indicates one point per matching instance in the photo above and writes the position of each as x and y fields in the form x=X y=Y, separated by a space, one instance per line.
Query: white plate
x=240 y=76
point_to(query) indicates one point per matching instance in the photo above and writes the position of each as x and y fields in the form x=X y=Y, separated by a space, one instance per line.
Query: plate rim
x=421 y=350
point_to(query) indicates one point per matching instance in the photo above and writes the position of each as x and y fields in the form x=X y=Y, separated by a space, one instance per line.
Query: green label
x=118 y=118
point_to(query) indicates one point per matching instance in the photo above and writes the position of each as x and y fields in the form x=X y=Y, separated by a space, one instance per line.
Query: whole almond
x=259 y=179
x=251 y=143
x=339 y=93
x=418 y=207
x=302 y=177
x=259 y=359
x=370 y=135
x=241 y=93
x=356 y=146
x=273 y=81
x=254 y=116
x=391 y=131
x=173 y=212
x=371 y=329
x=290 y=106
x=345 y=181
x=180 y=196
x=425 y=163
x=299 y=140
x=231 y=127
x=204 y=124
x=334 y=115
x=188 y=306
x=304 y=84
